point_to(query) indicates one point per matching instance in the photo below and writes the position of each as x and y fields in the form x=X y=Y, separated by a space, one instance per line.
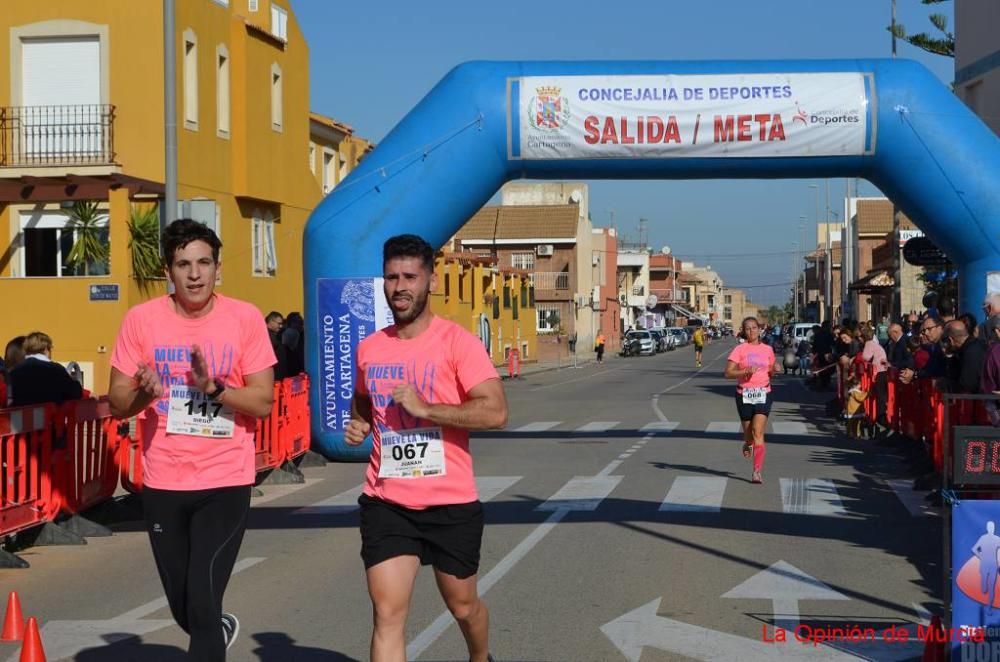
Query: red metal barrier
x=26 y=494
x=294 y=426
x=92 y=438
x=267 y=445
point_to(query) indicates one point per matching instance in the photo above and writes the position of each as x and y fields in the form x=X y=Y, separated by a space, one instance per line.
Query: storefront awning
x=873 y=281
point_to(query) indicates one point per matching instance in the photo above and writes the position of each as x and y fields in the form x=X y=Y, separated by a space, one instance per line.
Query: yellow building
x=81 y=118
x=334 y=150
x=495 y=304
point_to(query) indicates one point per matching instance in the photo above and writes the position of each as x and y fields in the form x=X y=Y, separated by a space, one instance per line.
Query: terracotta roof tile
x=875 y=217
x=523 y=222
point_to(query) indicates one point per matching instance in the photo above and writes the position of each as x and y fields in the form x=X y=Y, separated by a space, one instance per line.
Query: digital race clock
x=976 y=456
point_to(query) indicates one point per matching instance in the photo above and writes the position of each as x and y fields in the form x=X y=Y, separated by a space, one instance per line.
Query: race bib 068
x=754 y=396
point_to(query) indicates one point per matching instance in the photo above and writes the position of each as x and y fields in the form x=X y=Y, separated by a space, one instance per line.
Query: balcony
x=47 y=136
x=551 y=280
x=666 y=295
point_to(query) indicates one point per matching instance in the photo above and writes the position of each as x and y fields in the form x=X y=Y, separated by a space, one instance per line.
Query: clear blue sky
x=370 y=62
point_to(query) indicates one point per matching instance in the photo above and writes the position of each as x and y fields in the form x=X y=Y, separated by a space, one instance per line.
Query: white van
x=800 y=332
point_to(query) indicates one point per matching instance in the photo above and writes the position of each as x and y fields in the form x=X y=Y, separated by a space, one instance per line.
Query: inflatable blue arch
x=485 y=123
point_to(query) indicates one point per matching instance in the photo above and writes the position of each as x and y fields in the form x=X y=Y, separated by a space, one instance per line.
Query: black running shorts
x=447 y=537
x=747 y=412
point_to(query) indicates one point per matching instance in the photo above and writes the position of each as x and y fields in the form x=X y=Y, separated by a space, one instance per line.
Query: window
x=727 y=313
x=47 y=240
x=506 y=297
x=524 y=294
x=729 y=298
x=190 y=80
x=328 y=170
x=252 y=5
x=547 y=317
x=265 y=258
x=496 y=306
x=276 y=97
x=524 y=350
x=279 y=22
x=523 y=260
x=447 y=285
x=312 y=157
x=516 y=309
x=222 y=91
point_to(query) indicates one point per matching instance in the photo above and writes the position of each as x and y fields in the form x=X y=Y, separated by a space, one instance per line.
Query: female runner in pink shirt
x=753 y=364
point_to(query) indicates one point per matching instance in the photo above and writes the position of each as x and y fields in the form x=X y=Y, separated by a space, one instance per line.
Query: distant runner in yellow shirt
x=699 y=344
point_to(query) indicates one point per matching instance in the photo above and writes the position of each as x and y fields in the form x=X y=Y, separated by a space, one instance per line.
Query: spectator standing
x=13 y=355
x=895 y=349
x=968 y=359
x=874 y=354
x=275 y=322
x=931 y=330
x=38 y=379
x=293 y=338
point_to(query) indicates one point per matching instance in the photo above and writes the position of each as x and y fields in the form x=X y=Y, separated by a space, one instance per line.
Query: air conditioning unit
x=622 y=299
x=596 y=259
x=595 y=296
x=545 y=249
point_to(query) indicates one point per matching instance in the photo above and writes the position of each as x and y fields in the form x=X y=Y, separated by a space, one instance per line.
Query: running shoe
x=230 y=629
x=756 y=478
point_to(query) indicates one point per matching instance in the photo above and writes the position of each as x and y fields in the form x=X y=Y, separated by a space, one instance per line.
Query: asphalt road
x=621 y=525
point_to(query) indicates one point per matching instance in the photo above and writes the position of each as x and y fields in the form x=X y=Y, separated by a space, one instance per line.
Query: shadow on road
x=131 y=649
x=279 y=647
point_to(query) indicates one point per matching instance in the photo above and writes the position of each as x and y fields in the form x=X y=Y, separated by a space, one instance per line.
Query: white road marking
x=347 y=501
x=660 y=426
x=597 y=426
x=656 y=398
x=811 y=496
x=789 y=427
x=541 y=426
x=723 y=427
x=578 y=379
x=911 y=498
x=339 y=504
x=695 y=494
x=581 y=493
x=66 y=639
x=490 y=487
x=272 y=492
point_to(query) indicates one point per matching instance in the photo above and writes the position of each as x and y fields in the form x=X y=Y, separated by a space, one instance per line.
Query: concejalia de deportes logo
x=548 y=109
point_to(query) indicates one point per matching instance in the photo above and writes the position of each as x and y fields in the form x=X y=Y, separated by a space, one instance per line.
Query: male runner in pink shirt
x=422 y=384
x=196 y=367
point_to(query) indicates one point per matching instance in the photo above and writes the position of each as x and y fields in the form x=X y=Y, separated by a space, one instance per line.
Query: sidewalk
x=582 y=360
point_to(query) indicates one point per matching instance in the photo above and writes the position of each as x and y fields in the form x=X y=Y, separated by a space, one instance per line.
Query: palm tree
x=943 y=45
x=144 y=243
x=91 y=248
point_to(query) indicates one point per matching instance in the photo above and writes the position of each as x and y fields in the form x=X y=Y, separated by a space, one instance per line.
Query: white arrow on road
x=643 y=627
x=65 y=639
x=784 y=585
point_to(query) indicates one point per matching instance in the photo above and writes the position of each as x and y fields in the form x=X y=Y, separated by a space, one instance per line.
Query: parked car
x=669 y=340
x=660 y=338
x=646 y=344
x=680 y=335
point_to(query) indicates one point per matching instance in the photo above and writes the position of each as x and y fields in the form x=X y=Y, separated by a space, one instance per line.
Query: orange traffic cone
x=13 y=622
x=31 y=649
x=934 y=651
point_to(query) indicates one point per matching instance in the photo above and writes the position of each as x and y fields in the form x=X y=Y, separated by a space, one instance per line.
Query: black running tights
x=196 y=536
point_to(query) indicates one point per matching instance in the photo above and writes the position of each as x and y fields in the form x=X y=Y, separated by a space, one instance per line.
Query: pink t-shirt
x=234 y=340
x=443 y=363
x=760 y=356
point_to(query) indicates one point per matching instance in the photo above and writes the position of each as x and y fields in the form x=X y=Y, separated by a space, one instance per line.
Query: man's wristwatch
x=219 y=388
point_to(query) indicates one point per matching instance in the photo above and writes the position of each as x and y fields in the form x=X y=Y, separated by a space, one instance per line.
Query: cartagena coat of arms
x=548 y=109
